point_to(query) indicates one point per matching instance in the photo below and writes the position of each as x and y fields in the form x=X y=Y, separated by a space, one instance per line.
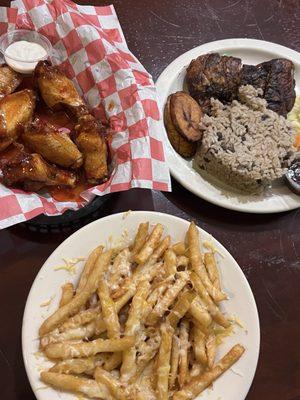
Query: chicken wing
x=56 y=147
x=91 y=143
x=15 y=111
x=32 y=171
x=9 y=80
x=58 y=91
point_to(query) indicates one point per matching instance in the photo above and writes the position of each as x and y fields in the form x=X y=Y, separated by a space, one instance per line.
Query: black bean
x=220 y=136
x=264 y=117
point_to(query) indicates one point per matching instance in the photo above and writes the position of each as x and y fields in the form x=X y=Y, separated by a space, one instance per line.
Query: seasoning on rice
x=245 y=144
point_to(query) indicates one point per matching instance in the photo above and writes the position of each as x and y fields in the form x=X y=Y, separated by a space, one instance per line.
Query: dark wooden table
x=267 y=247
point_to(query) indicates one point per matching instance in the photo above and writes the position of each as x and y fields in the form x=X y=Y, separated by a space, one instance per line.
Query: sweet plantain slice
x=186 y=115
x=183 y=147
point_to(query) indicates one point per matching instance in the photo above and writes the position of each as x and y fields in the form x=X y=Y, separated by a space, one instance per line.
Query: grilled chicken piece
x=56 y=147
x=58 y=91
x=32 y=171
x=9 y=80
x=91 y=143
x=15 y=111
x=276 y=79
x=212 y=75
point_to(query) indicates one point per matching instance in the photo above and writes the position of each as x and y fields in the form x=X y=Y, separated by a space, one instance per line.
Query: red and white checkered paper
x=88 y=43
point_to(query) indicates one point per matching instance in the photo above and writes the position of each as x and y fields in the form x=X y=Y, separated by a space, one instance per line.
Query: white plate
x=251 y=51
x=233 y=385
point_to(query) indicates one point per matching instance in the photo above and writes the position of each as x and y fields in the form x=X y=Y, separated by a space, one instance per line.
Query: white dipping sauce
x=25 y=51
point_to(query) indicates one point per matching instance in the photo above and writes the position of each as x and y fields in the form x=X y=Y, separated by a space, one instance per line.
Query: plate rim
x=120 y=215
x=218 y=45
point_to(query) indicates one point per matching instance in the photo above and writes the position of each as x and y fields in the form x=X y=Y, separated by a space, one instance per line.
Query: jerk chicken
x=16 y=110
x=276 y=79
x=55 y=146
x=213 y=75
x=58 y=91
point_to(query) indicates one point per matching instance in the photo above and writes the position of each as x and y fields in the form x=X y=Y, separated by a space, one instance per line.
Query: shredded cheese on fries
x=70 y=265
x=47 y=302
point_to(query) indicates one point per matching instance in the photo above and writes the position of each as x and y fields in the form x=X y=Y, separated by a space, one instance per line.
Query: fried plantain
x=182 y=146
x=186 y=115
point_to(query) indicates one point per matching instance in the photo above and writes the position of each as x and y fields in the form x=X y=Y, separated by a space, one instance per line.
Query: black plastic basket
x=69 y=220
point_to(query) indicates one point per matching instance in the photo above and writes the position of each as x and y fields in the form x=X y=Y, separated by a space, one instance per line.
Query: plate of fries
x=140 y=305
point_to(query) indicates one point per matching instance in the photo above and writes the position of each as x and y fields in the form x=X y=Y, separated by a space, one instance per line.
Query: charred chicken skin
x=58 y=91
x=15 y=111
x=212 y=75
x=276 y=79
x=9 y=80
x=55 y=146
x=91 y=143
x=32 y=172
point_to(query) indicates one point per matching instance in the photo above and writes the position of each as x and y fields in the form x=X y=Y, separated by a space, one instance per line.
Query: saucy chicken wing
x=91 y=143
x=55 y=146
x=9 y=80
x=58 y=91
x=15 y=111
x=32 y=172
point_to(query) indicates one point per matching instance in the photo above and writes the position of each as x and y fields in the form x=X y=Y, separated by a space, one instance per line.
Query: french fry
x=152 y=241
x=87 y=349
x=168 y=298
x=141 y=323
x=80 y=332
x=179 y=249
x=199 y=312
x=174 y=362
x=211 y=307
x=161 y=248
x=170 y=260
x=183 y=261
x=199 y=345
x=67 y=293
x=212 y=269
x=145 y=271
x=88 y=387
x=163 y=362
x=199 y=383
x=211 y=348
x=197 y=265
x=147 y=351
x=82 y=318
x=109 y=312
x=140 y=237
x=89 y=265
x=75 y=366
x=120 y=269
x=78 y=300
x=183 y=368
x=180 y=308
x=105 y=378
x=133 y=324
x=112 y=362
